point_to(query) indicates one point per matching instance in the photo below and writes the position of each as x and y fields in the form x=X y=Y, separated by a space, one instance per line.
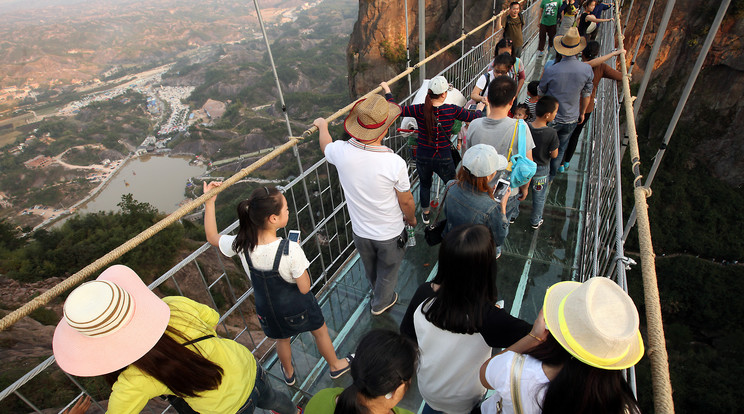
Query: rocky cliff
x=376 y=50
x=712 y=122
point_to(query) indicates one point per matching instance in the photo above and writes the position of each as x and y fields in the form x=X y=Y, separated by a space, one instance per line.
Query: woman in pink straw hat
x=591 y=336
x=149 y=347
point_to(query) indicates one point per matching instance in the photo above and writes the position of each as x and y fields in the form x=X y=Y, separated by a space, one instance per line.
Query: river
x=158 y=180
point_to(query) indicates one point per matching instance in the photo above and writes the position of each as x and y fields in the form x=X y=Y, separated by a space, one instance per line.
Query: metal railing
x=601 y=251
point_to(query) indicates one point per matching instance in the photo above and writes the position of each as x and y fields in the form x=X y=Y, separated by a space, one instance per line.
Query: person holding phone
x=470 y=198
x=278 y=272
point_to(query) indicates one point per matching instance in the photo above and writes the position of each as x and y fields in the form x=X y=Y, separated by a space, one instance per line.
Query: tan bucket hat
x=595 y=321
x=370 y=118
x=569 y=44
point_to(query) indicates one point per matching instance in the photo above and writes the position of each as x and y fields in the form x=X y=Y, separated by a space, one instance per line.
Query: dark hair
x=478 y=183
x=384 y=359
x=587 y=3
x=503 y=43
x=580 y=388
x=591 y=50
x=558 y=57
x=182 y=370
x=501 y=91
x=513 y=3
x=430 y=120
x=545 y=105
x=504 y=59
x=467 y=280
x=532 y=88
x=252 y=215
x=526 y=109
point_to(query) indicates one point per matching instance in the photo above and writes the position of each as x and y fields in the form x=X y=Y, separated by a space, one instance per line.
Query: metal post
x=422 y=38
x=681 y=105
x=640 y=37
x=652 y=57
x=408 y=48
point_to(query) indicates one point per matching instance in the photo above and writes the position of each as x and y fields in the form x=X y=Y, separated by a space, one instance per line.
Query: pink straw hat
x=108 y=324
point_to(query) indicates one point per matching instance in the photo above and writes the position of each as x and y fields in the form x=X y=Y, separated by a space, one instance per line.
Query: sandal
x=342 y=371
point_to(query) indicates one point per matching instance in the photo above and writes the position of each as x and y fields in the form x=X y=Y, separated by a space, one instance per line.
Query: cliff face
x=712 y=122
x=376 y=50
x=713 y=118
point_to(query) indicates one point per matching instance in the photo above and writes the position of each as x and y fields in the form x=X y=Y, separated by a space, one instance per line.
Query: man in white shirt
x=377 y=190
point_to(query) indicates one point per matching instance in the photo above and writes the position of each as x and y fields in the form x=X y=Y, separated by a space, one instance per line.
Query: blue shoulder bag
x=522 y=168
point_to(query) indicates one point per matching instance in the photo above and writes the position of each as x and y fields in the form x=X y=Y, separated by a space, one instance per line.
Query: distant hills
x=78 y=41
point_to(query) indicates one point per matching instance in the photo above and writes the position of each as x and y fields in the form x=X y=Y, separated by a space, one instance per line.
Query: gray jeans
x=381 y=261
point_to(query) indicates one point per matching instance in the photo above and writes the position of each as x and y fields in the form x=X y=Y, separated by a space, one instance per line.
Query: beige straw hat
x=595 y=321
x=569 y=44
x=370 y=118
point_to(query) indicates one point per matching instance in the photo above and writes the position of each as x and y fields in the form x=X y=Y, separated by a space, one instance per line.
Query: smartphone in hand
x=501 y=187
x=294 y=235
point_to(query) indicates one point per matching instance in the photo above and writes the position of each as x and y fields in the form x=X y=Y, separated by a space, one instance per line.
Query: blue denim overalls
x=282 y=310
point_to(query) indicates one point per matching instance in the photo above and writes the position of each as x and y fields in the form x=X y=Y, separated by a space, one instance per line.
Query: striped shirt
x=446 y=114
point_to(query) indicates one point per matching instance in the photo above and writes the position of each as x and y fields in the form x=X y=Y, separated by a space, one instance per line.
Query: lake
x=158 y=180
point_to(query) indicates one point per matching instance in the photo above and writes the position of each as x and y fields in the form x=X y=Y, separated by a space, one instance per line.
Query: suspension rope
x=657 y=353
x=77 y=278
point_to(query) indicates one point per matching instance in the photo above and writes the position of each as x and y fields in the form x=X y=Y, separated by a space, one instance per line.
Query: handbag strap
x=511 y=145
x=441 y=206
x=516 y=382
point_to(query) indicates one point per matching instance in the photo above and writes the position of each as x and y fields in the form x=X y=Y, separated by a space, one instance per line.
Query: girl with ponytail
x=277 y=269
x=382 y=370
x=435 y=120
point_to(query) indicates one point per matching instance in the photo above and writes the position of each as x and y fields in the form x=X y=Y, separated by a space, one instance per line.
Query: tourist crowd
x=569 y=360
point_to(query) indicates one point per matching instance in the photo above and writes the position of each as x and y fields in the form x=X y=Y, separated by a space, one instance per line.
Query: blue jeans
x=564 y=135
x=426 y=167
x=263 y=396
x=539 y=193
x=381 y=261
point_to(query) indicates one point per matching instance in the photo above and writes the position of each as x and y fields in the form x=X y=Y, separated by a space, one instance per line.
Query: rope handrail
x=657 y=353
x=73 y=280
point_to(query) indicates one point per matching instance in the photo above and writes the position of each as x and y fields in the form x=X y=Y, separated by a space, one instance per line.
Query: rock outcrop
x=376 y=50
x=713 y=115
x=712 y=121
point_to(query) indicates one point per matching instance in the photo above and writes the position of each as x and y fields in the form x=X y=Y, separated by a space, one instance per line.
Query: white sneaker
x=537 y=226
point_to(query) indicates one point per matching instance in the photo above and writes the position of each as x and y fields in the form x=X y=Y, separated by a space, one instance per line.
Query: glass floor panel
x=532 y=261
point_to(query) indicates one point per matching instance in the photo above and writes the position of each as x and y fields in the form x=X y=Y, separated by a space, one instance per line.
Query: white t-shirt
x=449 y=366
x=369 y=178
x=481 y=82
x=291 y=267
x=533 y=384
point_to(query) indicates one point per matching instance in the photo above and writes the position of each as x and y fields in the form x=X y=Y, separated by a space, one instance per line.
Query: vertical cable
x=652 y=57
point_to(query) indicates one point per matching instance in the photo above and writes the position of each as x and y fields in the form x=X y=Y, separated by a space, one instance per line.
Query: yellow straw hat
x=570 y=44
x=370 y=118
x=595 y=321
